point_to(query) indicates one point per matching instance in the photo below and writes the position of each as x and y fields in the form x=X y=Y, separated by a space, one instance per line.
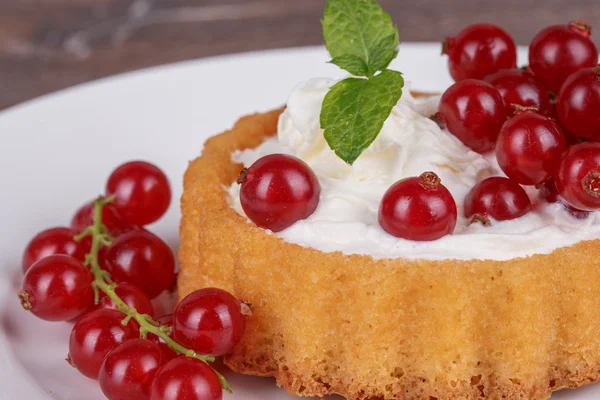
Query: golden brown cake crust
x=397 y=329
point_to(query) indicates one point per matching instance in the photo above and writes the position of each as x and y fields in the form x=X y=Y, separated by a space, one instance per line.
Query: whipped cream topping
x=409 y=144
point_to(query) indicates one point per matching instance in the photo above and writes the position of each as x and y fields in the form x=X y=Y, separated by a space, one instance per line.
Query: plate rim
x=163 y=68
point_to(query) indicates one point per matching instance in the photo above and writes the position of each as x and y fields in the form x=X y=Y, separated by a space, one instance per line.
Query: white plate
x=56 y=152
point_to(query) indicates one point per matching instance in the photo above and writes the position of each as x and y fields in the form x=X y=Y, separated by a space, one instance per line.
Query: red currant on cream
x=479 y=50
x=128 y=370
x=529 y=148
x=186 y=378
x=53 y=241
x=520 y=87
x=560 y=50
x=210 y=321
x=278 y=190
x=578 y=103
x=473 y=112
x=418 y=208
x=142 y=259
x=498 y=198
x=94 y=336
x=578 y=176
x=549 y=193
x=141 y=191
x=57 y=288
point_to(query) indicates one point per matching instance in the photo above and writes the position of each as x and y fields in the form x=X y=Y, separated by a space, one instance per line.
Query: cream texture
x=409 y=144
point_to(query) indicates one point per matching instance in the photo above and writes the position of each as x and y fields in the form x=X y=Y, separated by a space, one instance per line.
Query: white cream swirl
x=409 y=144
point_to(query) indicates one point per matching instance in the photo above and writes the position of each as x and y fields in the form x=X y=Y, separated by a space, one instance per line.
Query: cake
x=507 y=306
x=396 y=328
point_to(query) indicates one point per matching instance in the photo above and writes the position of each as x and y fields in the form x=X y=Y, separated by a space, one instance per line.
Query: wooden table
x=46 y=45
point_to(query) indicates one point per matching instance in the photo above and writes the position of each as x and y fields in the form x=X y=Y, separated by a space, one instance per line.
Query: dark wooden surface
x=47 y=45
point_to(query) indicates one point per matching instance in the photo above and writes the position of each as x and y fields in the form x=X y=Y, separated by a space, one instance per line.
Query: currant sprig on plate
x=102 y=282
x=103 y=273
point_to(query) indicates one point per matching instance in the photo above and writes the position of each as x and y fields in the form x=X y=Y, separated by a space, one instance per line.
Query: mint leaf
x=361 y=39
x=351 y=63
x=355 y=109
x=359 y=28
x=384 y=52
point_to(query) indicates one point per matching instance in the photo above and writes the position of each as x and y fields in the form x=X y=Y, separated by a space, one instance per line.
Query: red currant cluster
x=542 y=122
x=103 y=272
x=549 y=139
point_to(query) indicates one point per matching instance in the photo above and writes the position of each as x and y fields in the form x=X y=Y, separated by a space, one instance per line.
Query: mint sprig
x=355 y=109
x=351 y=63
x=361 y=39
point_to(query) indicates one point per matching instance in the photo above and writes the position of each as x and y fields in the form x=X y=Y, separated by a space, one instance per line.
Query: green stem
x=102 y=281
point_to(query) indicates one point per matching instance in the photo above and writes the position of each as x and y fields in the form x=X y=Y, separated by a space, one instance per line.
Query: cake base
x=395 y=329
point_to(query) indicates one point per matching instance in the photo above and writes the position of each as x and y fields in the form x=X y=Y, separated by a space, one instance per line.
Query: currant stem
x=25 y=303
x=447 y=44
x=243 y=176
x=482 y=219
x=102 y=281
x=519 y=109
x=429 y=180
x=582 y=27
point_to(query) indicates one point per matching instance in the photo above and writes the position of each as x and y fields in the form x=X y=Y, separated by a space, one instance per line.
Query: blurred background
x=46 y=45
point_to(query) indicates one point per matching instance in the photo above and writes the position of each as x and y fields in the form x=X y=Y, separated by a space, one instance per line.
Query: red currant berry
x=186 y=378
x=142 y=259
x=479 y=50
x=141 y=190
x=520 y=87
x=571 y=139
x=168 y=352
x=94 y=336
x=128 y=370
x=498 y=198
x=132 y=296
x=549 y=193
x=53 y=241
x=210 y=321
x=578 y=103
x=578 y=176
x=126 y=229
x=473 y=112
x=418 y=209
x=84 y=217
x=57 y=288
x=278 y=190
x=529 y=148
x=560 y=50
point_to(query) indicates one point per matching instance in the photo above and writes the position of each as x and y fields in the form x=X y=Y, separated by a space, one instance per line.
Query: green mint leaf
x=359 y=27
x=384 y=52
x=351 y=63
x=355 y=109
